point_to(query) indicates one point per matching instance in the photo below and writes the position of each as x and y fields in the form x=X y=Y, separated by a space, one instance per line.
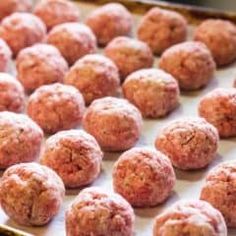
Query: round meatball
x=114 y=122
x=218 y=107
x=95 y=212
x=55 y=12
x=110 y=21
x=21 y=139
x=161 y=29
x=39 y=65
x=31 y=194
x=74 y=40
x=21 y=30
x=129 y=55
x=5 y=56
x=12 y=97
x=153 y=91
x=144 y=177
x=56 y=107
x=7 y=7
x=220 y=38
x=95 y=76
x=190 y=143
x=191 y=63
x=75 y=155
x=219 y=190
x=192 y=218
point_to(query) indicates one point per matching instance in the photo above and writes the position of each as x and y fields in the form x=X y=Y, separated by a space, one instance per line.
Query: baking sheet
x=188 y=184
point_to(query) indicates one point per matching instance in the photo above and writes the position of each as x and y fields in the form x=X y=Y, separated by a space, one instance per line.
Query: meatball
x=114 y=122
x=55 y=12
x=21 y=139
x=153 y=91
x=220 y=38
x=12 y=97
x=192 y=218
x=74 y=40
x=219 y=190
x=95 y=76
x=5 y=56
x=110 y=21
x=191 y=63
x=56 y=107
x=190 y=143
x=129 y=55
x=218 y=107
x=31 y=194
x=39 y=65
x=7 y=7
x=144 y=177
x=95 y=212
x=161 y=29
x=75 y=155
x=21 y=30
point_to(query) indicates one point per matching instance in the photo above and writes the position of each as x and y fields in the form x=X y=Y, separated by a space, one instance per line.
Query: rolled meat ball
x=31 y=194
x=12 y=97
x=74 y=40
x=39 y=65
x=220 y=38
x=95 y=76
x=153 y=91
x=110 y=21
x=218 y=107
x=191 y=63
x=56 y=107
x=161 y=29
x=95 y=212
x=21 y=139
x=192 y=218
x=190 y=143
x=9 y=6
x=114 y=122
x=219 y=190
x=56 y=12
x=144 y=177
x=75 y=155
x=27 y=28
x=129 y=55
x=5 y=56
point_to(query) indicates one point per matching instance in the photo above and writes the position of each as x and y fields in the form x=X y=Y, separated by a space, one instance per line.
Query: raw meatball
x=12 y=97
x=7 y=7
x=21 y=139
x=218 y=107
x=114 y=122
x=153 y=91
x=56 y=12
x=144 y=177
x=39 y=65
x=95 y=76
x=161 y=29
x=220 y=38
x=191 y=63
x=219 y=190
x=56 y=107
x=31 y=194
x=192 y=218
x=5 y=56
x=110 y=21
x=190 y=143
x=129 y=55
x=21 y=30
x=74 y=40
x=75 y=155
x=95 y=212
